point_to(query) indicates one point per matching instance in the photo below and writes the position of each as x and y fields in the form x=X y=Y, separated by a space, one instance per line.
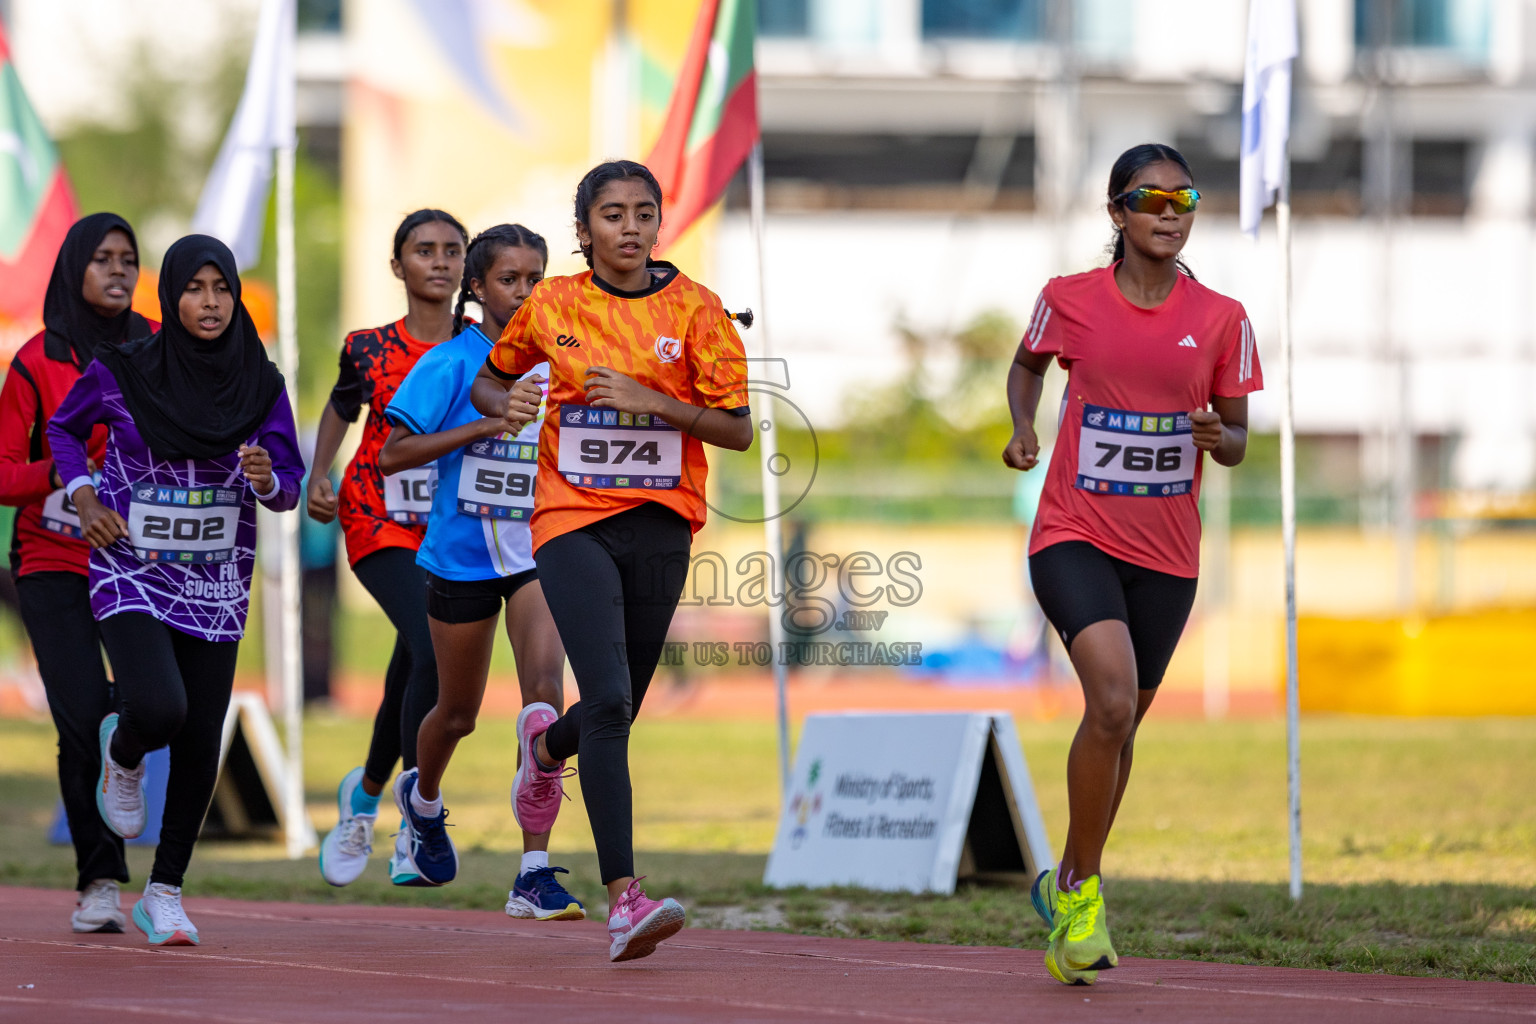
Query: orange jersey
x=673 y=337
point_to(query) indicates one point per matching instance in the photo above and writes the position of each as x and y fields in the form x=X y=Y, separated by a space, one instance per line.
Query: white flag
x=233 y=205
x=1272 y=46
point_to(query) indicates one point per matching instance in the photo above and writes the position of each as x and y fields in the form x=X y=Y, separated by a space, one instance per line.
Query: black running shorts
x=1078 y=585
x=459 y=601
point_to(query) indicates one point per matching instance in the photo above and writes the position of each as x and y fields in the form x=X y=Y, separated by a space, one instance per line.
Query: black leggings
x=174 y=689
x=56 y=609
x=399 y=585
x=1078 y=585
x=612 y=587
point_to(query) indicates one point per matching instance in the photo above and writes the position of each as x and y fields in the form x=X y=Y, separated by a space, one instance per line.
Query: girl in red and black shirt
x=383 y=519
x=87 y=306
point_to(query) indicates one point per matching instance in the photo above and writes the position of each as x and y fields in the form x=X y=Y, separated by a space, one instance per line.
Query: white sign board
x=907 y=802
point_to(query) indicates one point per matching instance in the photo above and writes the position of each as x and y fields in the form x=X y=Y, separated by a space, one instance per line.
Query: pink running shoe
x=638 y=923
x=536 y=793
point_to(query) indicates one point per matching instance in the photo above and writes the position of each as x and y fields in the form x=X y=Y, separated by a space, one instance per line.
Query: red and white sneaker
x=638 y=923
x=536 y=793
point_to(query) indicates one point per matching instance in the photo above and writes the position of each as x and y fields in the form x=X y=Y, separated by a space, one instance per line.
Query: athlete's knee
x=457 y=722
x=1112 y=717
x=607 y=711
x=548 y=687
x=156 y=721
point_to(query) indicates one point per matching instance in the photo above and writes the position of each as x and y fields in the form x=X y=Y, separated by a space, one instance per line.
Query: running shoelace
x=126 y=791
x=99 y=898
x=544 y=882
x=542 y=783
x=356 y=837
x=433 y=837
x=1069 y=906
x=633 y=894
x=167 y=911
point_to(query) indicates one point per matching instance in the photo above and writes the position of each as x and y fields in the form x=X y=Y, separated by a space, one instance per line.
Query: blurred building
x=928 y=159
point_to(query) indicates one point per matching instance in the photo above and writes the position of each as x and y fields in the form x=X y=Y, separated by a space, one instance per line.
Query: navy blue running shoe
x=538 y=894
x=427 y=847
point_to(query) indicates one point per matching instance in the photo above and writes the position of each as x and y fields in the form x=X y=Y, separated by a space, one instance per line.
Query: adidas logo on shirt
x=1188 y=342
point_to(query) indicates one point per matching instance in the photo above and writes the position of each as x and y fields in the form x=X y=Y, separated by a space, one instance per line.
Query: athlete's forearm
x=712 y=426
x=406 y=450
x=1024 y=387
x=489 y=393
x=328 y=437
x=1233 y=446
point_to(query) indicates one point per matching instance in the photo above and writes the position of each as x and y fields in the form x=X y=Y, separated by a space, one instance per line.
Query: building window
x=1456 y=25
x=319 y=15
x=872 y=171
x=1441 y=178
x=1000 y=20
x=783 y=17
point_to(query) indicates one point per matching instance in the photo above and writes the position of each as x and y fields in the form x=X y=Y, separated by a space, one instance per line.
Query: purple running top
x=192 y=521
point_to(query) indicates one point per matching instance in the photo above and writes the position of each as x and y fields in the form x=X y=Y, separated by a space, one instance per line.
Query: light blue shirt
x=463 y=545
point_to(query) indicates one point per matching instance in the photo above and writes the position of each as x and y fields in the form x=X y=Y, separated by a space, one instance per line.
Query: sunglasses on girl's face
x=1151 y=200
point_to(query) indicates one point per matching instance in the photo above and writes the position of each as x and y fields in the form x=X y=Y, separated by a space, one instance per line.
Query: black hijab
x=74 y=330
x=189 y=398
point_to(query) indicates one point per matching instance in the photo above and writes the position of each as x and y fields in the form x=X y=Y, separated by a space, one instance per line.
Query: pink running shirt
x=1125 y=475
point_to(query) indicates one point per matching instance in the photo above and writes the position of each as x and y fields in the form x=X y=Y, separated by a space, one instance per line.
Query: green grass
x=1420 y=846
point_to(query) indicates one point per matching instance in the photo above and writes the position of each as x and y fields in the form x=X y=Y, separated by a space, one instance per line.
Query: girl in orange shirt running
x=645 y=370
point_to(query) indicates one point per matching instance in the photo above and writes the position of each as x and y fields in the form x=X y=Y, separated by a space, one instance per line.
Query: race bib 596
x=608 y=448
x=496 y=479
x=1139 y=454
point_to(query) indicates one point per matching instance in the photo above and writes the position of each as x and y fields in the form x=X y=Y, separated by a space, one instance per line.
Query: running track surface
x=279 y=962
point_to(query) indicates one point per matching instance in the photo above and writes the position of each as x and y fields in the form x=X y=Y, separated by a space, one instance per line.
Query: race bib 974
x=607 y=448
x=182 y=524
x=1134 y=453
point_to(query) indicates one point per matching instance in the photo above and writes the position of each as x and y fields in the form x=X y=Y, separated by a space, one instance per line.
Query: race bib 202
x=183 y=524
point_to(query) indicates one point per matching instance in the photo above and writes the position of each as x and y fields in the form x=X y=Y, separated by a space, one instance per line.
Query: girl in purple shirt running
x=199 y=430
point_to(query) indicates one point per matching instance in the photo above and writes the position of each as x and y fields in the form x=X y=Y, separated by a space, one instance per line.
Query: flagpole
x=297 y=833
x=768 y=448
x=1288 y=526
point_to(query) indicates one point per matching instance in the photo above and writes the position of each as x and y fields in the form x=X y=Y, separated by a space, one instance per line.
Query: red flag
x=711 y=123
x=36 y=208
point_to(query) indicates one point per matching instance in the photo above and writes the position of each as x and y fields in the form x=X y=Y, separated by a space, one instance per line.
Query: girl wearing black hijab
x=86 y=310
x=200 y=429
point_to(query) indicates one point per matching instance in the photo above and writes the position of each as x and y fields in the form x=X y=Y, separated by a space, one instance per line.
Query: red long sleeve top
x=33 y=390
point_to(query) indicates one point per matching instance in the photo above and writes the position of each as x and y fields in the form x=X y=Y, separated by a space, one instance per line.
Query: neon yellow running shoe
x=1061 y=972
x=1080 y=936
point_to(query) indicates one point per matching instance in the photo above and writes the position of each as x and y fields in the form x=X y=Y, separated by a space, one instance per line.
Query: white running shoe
x=159 y=915
x=344 y=854
x=119 y=790
x=98 y=909
x=402 y=868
